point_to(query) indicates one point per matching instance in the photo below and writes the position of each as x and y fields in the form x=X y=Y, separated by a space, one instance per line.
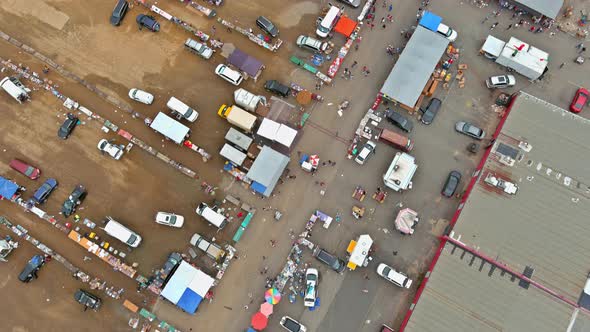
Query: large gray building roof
x=543 y=228
x=463 y=294
x=267 y=169
x=549 y=8
x=414 y=67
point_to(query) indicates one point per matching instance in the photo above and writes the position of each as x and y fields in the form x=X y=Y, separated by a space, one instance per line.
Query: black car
x=72 y=202
x=451 y=184
x=119 y=12
x=149 y=22
x=327 y=258
x=400 y=121
x=430 y=111
x=89 y=301
x=267 y=26
x=67 y=127
x=30 y=271
x=277 y=87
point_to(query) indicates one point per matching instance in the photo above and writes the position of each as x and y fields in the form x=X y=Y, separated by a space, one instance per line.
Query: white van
x=328 y=22
x=212 y=216
x=181 y=108
x=15 y=89
x=228 y=74
x=122 y=233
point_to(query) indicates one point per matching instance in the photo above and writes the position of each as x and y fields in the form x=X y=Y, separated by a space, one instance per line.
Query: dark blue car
x=45 y=190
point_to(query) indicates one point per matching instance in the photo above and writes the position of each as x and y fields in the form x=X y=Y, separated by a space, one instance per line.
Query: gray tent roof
x=414 y=66
x=549 y=8
x=267 y=168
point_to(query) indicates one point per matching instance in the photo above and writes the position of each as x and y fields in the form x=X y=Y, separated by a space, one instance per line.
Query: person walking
x=354 y=63
x=561 y=65
x=509 y=27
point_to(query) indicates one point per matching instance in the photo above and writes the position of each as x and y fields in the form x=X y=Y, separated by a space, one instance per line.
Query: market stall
x=359 y=251
x=406 y=221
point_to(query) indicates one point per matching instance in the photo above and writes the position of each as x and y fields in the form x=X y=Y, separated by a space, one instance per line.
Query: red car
x=20 y=166
x=580 y=100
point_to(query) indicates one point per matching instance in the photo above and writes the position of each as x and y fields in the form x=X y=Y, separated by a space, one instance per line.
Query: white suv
x=397 y=278
x=366 y=152
x=500 y=81
x=115 y=151
x=311 y=284
x=292 y=325
x=228 y=74
x=169 y=219
x=449 y=33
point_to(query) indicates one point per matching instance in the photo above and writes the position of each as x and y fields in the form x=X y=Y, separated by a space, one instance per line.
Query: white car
x=169 y=219
x=141 y=96
x=115 y=151
x=228 y=74
x=292 y=325
x=449 y=33
x=311 y=287
x=366 y=152
x=500 y=81
x=397 y=278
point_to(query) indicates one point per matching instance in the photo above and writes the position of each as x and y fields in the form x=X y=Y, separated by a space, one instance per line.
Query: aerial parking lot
x=141 y=175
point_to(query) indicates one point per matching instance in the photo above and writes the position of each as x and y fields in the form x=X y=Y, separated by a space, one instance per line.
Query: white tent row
x=277 y=132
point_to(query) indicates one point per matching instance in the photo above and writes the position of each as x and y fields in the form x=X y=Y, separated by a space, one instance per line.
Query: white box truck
x=170 y=128
x=15 y=89
x=238 y=117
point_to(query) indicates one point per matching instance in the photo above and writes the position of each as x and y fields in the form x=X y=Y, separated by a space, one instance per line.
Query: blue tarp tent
x=258 y=187
x=7 y=188
x=187 y=287
x=189 y=301
x=430 y=21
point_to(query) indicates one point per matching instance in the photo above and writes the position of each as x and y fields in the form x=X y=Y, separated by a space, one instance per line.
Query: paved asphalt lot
x=345 y=306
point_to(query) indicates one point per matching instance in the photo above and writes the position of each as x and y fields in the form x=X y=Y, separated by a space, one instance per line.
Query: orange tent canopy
x=345 y=26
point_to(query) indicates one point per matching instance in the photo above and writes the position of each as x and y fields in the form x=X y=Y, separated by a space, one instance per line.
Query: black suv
x=327 y=258
x=149 y=22
x=430 y=111
x=89 y=301
x=67 y=127
x=277 y=87
x=30 y=271
x=267 y=26
x=400 y=121
x=119 y=12
x=72 y=202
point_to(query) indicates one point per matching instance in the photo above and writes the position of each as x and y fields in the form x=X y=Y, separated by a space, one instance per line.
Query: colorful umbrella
x=259 y=321
x=272 y=296
x=266 y=309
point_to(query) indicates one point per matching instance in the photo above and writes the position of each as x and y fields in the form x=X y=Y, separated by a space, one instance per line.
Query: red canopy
x=345 y=26
x=259 y=321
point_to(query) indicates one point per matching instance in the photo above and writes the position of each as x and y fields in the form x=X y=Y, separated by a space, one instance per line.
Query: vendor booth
x=187 y=287
x=345 y=26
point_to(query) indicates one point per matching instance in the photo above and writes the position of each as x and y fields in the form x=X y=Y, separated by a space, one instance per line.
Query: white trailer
x=248 y=100
x=523 y=58
x=399 y=174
